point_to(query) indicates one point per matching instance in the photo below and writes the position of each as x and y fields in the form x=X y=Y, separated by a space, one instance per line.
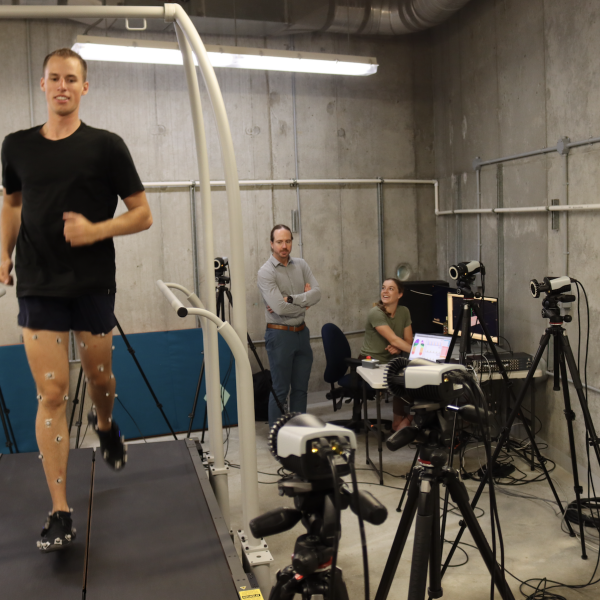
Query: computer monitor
x=431 y=347
x=488 y=307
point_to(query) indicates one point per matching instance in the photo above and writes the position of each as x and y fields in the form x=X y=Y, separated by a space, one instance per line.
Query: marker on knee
x=65 y=398
x=49 y=375
x=39 y=397
x=48 y=423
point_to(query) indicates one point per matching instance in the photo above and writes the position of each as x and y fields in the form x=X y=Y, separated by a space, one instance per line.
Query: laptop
x=429 y=346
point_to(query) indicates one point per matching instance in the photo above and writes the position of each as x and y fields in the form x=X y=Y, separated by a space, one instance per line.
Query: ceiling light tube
x=168 y=53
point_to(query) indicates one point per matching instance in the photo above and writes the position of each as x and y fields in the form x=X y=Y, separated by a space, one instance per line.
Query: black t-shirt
x=83 y=173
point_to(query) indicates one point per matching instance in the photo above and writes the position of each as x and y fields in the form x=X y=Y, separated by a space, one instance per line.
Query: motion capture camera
x=302 y=444
x=421 y=379
x=466 y=269
x=220 y=265
x=551 y=285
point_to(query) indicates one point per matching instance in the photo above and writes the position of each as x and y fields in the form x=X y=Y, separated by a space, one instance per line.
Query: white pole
x=245 y=393
x=82 y=12
x=218 y=471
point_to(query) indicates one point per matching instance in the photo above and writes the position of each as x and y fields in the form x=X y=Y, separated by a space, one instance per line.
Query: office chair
x=339 y=357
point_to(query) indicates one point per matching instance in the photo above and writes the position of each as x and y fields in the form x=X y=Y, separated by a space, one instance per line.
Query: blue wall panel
x=171 y=361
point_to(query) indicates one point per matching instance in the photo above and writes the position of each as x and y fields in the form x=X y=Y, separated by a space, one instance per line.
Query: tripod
x=9 y=434
x=222 y=291
x=563 y=357
x=470 y=304
x=423 y=500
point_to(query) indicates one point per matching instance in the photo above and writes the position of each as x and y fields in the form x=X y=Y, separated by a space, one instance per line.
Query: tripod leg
x=341 y=592
x=459 y=494
x=465 y=334
x=80 y=418
x=589 y=424
x=437 y=543
x=400 y=539
x=408 y=480
x=452 y=344
x=423 y=533
x=193 y=413
x=570 y=417
x=4 y=417
x=76 y=398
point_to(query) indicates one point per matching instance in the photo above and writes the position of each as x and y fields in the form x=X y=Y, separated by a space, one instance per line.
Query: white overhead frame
x=173 y=13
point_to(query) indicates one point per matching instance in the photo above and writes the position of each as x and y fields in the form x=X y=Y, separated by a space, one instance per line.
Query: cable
x=338 y=510
x=361 y=524
x=131 y=417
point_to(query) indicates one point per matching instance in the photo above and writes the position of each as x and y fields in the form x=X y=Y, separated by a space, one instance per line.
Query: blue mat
x=171 y=361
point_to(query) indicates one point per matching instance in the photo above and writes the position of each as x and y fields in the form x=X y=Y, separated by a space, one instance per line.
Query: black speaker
x=427 y=303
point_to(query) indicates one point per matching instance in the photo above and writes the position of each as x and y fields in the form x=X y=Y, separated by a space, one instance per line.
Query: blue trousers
x=290 y=360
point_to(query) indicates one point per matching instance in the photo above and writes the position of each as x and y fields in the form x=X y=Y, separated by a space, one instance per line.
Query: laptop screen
x=431 y=347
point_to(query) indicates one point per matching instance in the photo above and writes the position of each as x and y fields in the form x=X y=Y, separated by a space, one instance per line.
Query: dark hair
x=400 y=287
x=279 y=226
x=67 y=53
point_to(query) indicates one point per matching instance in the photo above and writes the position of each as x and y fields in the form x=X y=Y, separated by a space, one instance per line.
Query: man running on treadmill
x=61 y=181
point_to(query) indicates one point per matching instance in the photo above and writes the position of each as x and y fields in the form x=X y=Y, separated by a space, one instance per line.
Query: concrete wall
x=511 y=77
x=379 y=126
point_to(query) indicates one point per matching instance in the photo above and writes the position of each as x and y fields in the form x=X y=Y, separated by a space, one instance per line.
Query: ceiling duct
x=265 y=18
x=369 y=17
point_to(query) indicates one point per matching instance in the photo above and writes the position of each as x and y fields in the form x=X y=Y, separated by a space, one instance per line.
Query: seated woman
x=388 y=332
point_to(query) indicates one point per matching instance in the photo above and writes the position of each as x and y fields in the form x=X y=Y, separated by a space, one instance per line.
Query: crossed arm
x=78 y=230
x=396 y=344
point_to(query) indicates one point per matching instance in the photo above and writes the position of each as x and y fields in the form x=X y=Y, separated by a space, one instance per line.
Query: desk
x=374 y=377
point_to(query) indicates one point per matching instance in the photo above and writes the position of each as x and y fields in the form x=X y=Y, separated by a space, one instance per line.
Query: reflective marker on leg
x=48 y=422
x=82 y=344
x=101 y=368
x=59 y=480
x=41 y=456
x=39 y=397
x=34 y=337
x=49 y=375
x=58 y=340
x=65 y=398
x=58 y=439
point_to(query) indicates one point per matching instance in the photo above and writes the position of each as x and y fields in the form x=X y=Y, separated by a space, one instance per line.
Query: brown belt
x=294 y=328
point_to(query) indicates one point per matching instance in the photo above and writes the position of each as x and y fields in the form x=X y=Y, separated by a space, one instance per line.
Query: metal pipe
x=196 y=277
x=472 y=211
x=380 y=234
x=210 y=335
x=296 y=166
x=521 y=209
x=565 y=170
x=478 y=182
x=583 y=142
x=495 y=161
x=82 y=12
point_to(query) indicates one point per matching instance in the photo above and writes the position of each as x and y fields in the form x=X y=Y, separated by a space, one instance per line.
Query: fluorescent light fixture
x=168 y=53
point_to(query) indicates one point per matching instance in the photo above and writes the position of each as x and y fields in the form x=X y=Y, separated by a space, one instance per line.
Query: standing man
x=61 y=181
x=288 y=288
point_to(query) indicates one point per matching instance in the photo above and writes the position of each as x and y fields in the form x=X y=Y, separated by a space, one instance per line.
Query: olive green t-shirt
x=375 y=344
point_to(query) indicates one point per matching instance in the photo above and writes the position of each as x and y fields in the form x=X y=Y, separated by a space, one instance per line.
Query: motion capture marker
x=82 y=344
x=112 y=348
x=39 y=397
x=58 y=439
x=48 y=422
x=107 y=394
x=59 y=480
x=49 y=375
x=58 y=340
x=34 y=337
x=65 y=398
x=101 y=368
x=112 y=376
x=41 y=456
x=102 y=334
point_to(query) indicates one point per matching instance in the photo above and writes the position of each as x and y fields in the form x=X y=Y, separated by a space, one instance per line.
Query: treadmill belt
x=152 y=534
x=24 y=571
x=151 y=531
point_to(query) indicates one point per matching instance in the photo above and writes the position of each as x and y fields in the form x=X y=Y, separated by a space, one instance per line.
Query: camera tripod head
x=556 y=289
x=552 y=310
x=464 y=275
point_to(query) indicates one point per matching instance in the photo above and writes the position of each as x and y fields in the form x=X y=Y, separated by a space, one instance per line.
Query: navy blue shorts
x=94 y=313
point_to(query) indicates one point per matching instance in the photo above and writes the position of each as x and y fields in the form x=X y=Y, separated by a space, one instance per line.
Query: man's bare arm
x=79 y=231
x=10 y=223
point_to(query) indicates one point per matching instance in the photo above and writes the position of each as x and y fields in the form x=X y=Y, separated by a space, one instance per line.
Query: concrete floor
x=535 y=545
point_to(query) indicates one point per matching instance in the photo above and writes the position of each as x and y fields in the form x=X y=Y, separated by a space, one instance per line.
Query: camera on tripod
x=557 y=290
x=221 y=265
x=318 y=455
